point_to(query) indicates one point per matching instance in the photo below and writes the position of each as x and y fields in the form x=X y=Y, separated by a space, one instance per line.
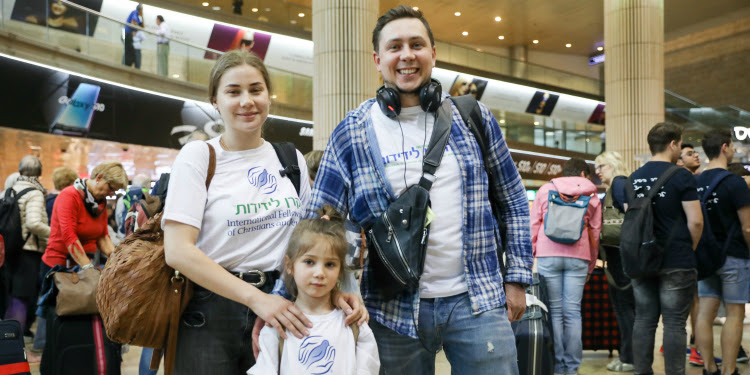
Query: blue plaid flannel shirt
x=352 y=179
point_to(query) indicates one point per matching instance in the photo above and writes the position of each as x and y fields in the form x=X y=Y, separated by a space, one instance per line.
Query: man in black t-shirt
x=678 y=223
x=728 y=211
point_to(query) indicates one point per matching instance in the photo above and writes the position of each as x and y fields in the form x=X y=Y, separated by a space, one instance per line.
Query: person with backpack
x=227 y=233
x=727 y=204
x=566 y=219
x=661 y=229
x=22 y=271
x=611 y=169
x=461 y=301
x=135 y=193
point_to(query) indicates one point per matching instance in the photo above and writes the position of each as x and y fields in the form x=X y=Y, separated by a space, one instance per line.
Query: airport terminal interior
x=560 y=78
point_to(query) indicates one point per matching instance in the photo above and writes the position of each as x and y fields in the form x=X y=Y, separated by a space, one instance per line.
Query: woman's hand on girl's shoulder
x=282 y=314
x=353 y=307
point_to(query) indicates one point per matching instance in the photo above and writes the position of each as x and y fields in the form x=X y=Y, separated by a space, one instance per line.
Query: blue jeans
x=474 y=344
x=668 y=295
x=565 y=278
x=144 y=365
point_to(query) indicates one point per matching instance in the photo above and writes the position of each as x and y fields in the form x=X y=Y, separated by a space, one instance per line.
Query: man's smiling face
x=405 y=57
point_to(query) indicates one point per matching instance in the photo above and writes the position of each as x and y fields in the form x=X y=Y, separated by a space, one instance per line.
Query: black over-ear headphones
x=430 y=98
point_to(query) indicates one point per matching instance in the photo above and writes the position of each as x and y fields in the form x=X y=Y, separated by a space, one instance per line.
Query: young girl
x=314 y=268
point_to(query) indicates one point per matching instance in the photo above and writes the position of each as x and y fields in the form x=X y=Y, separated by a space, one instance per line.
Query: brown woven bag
x=140 y=297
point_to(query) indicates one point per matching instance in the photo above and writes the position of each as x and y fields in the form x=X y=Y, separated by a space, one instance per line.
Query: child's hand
x=353 y=307
x=281 y=314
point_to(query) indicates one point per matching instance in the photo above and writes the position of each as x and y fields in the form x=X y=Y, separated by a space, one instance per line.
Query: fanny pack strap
x=440 y=133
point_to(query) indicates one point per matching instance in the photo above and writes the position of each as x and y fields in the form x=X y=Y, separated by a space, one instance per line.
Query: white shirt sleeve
x=368 y=360
x=268 y=358
x=186 y=201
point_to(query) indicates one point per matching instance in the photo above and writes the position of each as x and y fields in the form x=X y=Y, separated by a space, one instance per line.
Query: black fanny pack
x=398 y=239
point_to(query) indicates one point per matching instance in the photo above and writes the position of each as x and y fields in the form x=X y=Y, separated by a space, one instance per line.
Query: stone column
x=518 y=55
x=633 y=74
x=344 y=71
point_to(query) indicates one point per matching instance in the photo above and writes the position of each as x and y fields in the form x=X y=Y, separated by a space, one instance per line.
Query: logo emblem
x=261 y=179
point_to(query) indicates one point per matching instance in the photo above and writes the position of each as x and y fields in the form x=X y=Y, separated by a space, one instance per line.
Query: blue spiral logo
x=261 y=179
x=316 y=355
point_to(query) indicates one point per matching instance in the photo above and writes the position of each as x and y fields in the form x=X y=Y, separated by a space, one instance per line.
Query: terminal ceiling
x=553 y=23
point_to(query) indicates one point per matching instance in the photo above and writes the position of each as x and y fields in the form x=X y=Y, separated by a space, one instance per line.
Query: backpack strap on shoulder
x=211 y=164
x=471 y=114
x=287 y=154
x=714 y=184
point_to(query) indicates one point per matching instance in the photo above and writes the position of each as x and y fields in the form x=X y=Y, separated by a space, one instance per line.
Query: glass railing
x=94 y=35
x=471 y=58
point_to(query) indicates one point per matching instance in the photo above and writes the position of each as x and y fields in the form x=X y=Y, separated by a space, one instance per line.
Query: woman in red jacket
x=79 y=220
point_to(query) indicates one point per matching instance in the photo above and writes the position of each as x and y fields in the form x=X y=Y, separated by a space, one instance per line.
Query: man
x=134 y=18
x=460 y=302
x=729 y=215
x=678 y=223
x=134 y=194
x=689 y=158
x=162 y=47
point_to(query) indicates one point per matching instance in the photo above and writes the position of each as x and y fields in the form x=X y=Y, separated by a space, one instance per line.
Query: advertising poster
x=542 y=103
x=58 y=15
x=67 y=104
x=226 y=38
x=466 y=84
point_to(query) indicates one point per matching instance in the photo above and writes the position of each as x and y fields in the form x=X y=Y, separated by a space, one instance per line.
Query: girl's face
x=242 y=99
x=316 y=271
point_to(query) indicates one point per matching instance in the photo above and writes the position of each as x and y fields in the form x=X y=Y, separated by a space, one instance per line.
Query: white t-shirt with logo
x=247 y=217
x=444 y=265
x=329 y=349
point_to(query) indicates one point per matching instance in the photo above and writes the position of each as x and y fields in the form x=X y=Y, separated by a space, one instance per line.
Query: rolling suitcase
x=600 y=329
x=77 y=345
x=12 y=349
x=534 y=339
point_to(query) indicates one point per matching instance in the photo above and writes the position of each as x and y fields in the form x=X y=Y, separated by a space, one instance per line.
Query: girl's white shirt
x=329 y=349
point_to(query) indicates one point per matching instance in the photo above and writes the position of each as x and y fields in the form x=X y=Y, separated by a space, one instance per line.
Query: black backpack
x=10 y=225
x=641 y=255
x=709 y=255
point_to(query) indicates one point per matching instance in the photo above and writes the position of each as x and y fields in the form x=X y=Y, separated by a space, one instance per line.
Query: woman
x=230 y=240
x=23 y=282
x=610 y=167
x=567 y=266
x=79 y=220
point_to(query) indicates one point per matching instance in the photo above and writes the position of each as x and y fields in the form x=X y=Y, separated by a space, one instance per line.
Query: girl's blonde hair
x=615 y=160
x=329 y=227
x=113 y=173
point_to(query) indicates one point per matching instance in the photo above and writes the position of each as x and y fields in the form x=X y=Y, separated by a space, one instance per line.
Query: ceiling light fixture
x=536 y=123
x=415 y=8
x=568 y=45
x=268 y=9
x=498 y=19
x=535 y=41
x=175 y=76
x=301 y=14
x=600 y=48
x=273 y=96
x=216 y=8
x=254 y=10
x=465 y=33
x=502 y=121
x=293 y=22
x=457 y=14
x=501 y=37
x=205 y=4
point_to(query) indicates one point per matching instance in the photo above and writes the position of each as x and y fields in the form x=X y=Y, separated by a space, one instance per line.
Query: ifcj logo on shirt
x=261 y=179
